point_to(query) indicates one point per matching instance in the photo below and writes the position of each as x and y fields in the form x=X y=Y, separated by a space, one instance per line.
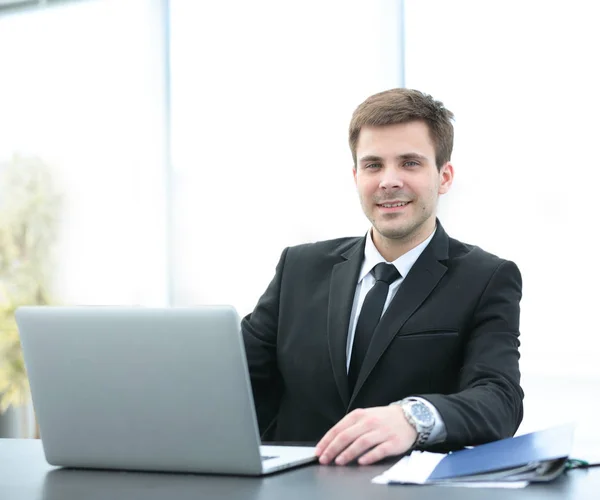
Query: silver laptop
x=135 y=388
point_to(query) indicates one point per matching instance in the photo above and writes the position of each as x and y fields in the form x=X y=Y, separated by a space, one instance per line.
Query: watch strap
x=423 y=432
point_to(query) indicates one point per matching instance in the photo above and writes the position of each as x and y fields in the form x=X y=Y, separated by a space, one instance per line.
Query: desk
x=25 y=475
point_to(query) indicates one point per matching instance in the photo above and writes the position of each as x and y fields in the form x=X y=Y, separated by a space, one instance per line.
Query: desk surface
x=25 y=475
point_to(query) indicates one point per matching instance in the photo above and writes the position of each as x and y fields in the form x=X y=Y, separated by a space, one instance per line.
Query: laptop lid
x=141 y=388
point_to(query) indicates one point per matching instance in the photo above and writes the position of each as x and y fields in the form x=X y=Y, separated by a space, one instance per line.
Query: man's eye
x=411 y=163
x=373 y=165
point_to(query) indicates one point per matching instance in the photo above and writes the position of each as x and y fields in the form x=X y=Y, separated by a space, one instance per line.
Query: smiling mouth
x=393 y=205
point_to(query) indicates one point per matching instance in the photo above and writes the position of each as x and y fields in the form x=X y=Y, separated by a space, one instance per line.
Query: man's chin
x=394 y=233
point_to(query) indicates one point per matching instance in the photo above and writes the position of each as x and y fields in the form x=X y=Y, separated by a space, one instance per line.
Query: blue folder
x=530 y=455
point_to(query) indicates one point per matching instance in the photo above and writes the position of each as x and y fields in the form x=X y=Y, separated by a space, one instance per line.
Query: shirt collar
x=403 y=263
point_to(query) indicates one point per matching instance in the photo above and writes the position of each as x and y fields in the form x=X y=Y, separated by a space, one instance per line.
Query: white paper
x=419 y=465
x=411 y=469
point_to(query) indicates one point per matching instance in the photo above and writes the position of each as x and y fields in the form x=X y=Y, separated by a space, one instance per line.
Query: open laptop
x=150 y=389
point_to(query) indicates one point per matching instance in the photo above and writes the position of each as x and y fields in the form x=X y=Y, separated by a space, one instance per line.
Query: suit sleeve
x=489 y=403
x=259 y=331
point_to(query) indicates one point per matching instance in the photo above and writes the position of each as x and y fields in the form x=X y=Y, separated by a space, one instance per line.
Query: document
x=512 y=462
x=419 y=466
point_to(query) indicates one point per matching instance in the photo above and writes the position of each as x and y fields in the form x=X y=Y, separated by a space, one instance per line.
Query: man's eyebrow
x=370 y=158
x=405 y=156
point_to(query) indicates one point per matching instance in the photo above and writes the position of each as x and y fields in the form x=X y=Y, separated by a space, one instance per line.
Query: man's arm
x=489 y=404
x=259 y=330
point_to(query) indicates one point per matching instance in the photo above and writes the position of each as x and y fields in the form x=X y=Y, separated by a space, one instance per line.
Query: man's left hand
x=369 y=433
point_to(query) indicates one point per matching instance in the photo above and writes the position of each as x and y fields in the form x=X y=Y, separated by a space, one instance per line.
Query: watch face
x=422 y=414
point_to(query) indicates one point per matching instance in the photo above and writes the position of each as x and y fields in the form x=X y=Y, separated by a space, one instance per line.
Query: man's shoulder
x=327 y=248
x=474 y=256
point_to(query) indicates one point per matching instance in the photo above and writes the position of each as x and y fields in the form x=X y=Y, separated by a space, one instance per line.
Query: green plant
x=29 y=216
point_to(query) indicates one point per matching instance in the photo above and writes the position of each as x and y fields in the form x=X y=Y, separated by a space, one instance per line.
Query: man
x=403 y=338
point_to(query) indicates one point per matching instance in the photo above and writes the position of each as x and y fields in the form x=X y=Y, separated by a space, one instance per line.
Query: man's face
x=398 y=182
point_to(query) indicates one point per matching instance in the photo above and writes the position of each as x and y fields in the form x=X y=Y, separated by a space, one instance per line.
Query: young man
x=403 y=338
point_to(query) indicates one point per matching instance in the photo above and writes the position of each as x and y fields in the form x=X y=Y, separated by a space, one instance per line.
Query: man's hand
x=380 y=432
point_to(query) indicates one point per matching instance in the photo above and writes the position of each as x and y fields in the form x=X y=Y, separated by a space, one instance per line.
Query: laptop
x=150 y=389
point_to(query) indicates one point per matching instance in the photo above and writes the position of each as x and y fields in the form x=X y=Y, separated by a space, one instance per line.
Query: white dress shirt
x=365 y=282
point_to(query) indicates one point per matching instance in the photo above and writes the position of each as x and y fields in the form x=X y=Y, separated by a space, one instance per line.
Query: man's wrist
x=411 y=428
x=420 y=417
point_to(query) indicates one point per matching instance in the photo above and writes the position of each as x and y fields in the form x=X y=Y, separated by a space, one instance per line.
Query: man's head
x=402 y=106
x=401 y=142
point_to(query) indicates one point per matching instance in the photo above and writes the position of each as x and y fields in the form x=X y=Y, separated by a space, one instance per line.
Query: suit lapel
x=344 y=278
x=416 y=287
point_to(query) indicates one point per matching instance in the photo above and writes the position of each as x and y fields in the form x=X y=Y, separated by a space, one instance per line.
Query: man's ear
x=446 y=178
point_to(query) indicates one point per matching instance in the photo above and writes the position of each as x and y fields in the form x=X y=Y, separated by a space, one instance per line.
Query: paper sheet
x=411 y=469
x=418 y=466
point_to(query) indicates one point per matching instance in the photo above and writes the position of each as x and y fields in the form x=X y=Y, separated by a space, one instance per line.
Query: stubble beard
x=402 y=229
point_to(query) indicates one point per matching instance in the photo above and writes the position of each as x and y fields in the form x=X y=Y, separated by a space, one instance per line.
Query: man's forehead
x=414 y=132
x=379 y=144
x=414 y=155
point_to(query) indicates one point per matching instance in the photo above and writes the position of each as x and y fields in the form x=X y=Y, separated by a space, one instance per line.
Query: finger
x=387 y=448
x=329 y=437
x=361 y=445
x=341 y=426
x=344 y=440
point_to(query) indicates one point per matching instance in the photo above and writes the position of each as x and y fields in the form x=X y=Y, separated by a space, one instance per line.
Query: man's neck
x=390 y=249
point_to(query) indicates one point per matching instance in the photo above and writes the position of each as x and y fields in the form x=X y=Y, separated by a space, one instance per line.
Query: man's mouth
x=393 y=204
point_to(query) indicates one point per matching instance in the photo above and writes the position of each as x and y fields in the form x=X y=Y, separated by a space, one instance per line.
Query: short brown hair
x=401 y=106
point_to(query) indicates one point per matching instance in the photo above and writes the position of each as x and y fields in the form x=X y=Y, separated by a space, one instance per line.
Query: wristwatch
x=420 y=417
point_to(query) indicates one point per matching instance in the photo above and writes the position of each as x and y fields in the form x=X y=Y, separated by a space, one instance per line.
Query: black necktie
x=369 y=317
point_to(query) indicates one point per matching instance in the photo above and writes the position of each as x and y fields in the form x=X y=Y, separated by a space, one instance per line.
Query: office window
x=262 y=94
x=82 y=92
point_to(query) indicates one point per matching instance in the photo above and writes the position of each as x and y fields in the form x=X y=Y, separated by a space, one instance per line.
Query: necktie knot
x=385 y=272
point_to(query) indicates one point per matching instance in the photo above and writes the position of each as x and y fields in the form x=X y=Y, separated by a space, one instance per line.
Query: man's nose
x=391 y=178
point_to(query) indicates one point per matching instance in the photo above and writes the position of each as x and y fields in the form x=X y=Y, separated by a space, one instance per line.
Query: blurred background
x=149 y=146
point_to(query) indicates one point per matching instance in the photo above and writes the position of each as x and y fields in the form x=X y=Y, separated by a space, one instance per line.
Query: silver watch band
x=423 y=431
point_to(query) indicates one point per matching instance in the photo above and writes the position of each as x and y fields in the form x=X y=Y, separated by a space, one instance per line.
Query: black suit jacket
x=450 y=335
